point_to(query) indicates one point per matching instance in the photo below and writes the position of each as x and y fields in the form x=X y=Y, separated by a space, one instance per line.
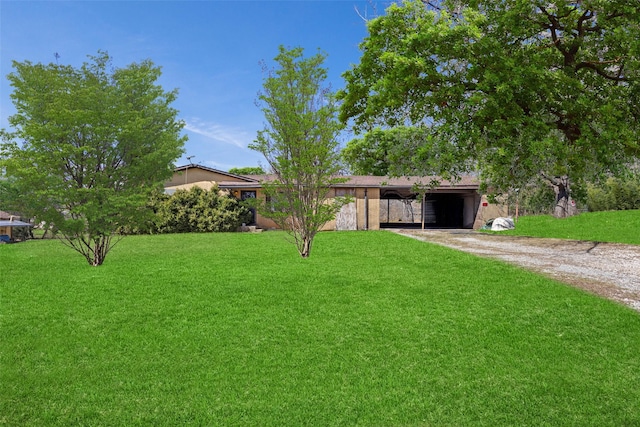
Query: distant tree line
x=248 y=170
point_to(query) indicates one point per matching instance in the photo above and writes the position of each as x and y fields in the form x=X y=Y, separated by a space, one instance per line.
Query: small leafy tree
x=300 y=144
x=89 y=145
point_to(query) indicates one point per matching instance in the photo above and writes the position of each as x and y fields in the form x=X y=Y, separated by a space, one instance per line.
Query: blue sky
x=209 y=50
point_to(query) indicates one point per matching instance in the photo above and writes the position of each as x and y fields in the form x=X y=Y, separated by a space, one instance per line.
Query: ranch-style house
x=379 y=202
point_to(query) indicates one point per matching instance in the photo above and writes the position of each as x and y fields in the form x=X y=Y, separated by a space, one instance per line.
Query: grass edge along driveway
x=373 y=329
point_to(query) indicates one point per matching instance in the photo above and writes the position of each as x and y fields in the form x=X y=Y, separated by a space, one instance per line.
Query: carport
x=446 y=206
x=6 y=227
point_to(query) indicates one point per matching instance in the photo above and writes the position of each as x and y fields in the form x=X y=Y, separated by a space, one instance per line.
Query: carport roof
x=466 y=182
x=14 y=223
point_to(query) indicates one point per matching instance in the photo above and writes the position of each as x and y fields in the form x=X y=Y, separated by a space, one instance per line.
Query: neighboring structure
x=379 y=202
x=7 y=224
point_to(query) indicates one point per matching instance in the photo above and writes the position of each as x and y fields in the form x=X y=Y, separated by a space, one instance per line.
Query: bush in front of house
x=198 y=211
x=191 y=211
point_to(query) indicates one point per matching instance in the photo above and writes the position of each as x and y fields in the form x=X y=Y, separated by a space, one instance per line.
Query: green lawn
x=611 y=226
x=375 y=329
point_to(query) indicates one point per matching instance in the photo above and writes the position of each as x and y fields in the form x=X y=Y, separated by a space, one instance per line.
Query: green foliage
x=10 y=199
x=149 y=218
x=227 y=329
x=248 y=170
x=615 y=194
x=403 y=151
x=89 y=145
x=197 y=211
x=537 y=199
x=300 y=144
x=520 y=87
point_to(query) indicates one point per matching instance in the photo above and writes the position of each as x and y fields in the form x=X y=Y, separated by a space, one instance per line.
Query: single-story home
x=379 y=202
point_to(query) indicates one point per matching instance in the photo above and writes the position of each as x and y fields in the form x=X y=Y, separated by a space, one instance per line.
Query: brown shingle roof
x=465 y=182
x=409 y=181
x=206 y=168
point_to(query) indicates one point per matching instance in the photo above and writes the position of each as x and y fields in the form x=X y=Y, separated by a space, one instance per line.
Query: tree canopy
x=300 y=144
x=404 y=150
x=248 y=170
x=523 y=88
x=89 y=145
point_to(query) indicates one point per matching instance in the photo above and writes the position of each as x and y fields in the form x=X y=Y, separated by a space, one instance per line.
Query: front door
x=244 y=195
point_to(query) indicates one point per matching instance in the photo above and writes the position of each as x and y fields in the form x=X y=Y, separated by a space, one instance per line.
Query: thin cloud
x=219 y=166
x=220 y=133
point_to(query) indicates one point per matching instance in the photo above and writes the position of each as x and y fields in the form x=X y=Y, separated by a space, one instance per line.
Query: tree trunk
x=101 y=247
x=305 y=248
x=565 y=206
x=93 y=249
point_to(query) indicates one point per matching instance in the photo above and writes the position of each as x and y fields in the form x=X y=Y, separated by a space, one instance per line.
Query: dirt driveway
x=610 y=270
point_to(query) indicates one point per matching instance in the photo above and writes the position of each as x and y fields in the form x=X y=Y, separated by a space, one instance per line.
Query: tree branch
x=594 y=66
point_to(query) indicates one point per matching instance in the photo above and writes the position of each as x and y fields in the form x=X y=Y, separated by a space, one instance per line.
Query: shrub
x=537 y=199
x=191 y=211
x=198 y=210
x=615 y=194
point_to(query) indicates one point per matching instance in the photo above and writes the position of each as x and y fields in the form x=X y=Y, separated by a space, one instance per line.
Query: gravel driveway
x=610 y=270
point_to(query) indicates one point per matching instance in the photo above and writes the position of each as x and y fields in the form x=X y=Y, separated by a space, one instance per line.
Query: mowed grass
x=608 y=226
x=374 y=329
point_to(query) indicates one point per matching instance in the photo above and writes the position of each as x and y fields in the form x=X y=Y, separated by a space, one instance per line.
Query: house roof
x=466 y=182
x=246 y=178
x=7 y=215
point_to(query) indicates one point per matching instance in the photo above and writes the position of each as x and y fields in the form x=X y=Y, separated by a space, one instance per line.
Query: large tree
x=89 y=145
x=300 y=144
x=524 y=88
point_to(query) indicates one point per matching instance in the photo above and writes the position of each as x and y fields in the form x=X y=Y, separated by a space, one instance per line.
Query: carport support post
x=366 y=210
x=424 y=200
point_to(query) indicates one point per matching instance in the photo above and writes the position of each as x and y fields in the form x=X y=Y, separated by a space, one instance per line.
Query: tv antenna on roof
x=186 y=170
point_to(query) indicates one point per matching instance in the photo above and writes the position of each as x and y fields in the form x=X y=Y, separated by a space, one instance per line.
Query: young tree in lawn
x=523 y=88
x=89 y=145
x=300 y=144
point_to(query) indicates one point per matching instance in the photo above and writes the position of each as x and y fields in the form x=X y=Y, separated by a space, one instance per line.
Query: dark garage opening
x=402 y=210
x=449 y=210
